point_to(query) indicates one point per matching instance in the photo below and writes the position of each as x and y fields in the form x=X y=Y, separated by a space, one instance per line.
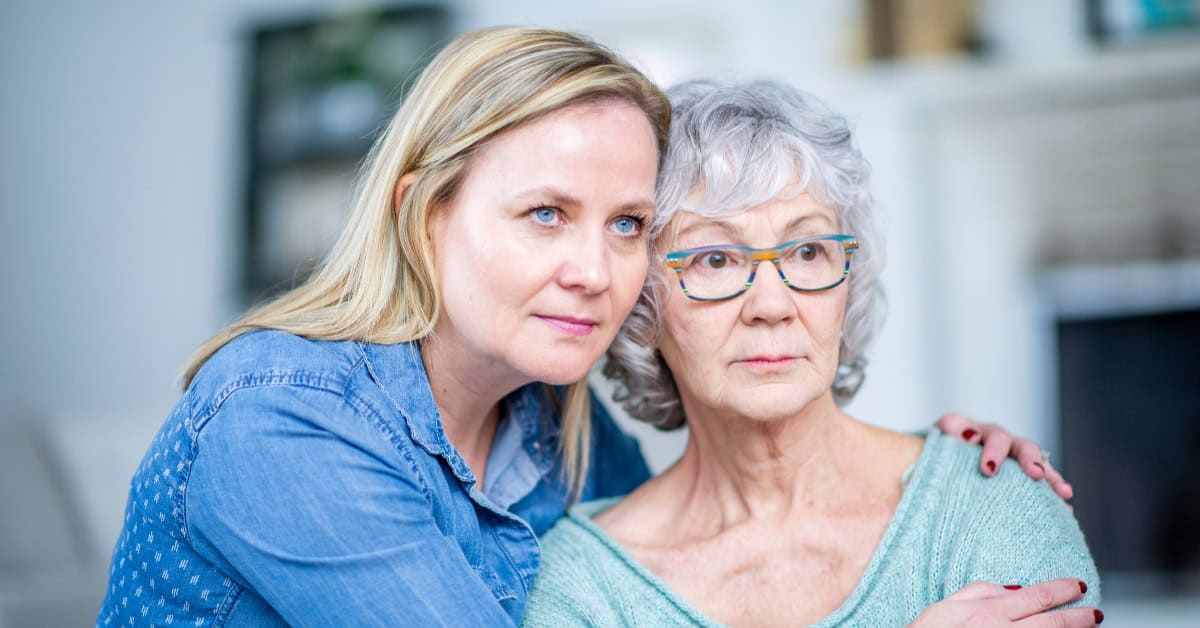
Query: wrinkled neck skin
x=738 y=470
x=758 y=509
x=467 y=391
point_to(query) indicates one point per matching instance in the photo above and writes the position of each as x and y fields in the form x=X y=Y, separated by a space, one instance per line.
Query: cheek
x=445 y=269
x=629 y=276
x=503 y=280
x=826 y=325
x=694 y=368
x=473 y=272
x=492 y=256
x=687 y=339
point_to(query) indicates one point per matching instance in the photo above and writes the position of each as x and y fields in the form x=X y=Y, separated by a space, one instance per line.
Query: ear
x=402 y=187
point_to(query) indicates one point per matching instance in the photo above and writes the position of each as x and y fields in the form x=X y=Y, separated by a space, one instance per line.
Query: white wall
x=118 y=150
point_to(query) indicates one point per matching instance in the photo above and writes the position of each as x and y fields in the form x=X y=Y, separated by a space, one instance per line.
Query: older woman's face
x=771 y=351
x=540 y=255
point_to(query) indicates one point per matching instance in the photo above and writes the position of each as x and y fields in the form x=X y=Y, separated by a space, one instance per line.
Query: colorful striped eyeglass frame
x=757 y=256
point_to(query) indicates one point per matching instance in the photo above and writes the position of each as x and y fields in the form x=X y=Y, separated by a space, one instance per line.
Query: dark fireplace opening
x=1129 y=408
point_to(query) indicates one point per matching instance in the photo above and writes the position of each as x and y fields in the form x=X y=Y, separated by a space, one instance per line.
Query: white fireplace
x=1063 y=221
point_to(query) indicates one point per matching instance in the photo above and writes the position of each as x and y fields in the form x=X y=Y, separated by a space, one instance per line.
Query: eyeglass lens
x=724 y=272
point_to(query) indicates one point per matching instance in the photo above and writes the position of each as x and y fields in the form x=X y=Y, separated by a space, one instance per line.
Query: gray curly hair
x=735 y=146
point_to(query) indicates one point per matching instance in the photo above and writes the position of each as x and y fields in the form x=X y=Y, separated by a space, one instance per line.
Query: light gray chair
x=50 y=575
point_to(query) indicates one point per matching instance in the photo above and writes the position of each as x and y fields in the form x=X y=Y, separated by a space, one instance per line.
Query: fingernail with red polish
x=1082 y=587
x=969 y=433
x=1013 y=587
x=1099 y=616
x=991 y=465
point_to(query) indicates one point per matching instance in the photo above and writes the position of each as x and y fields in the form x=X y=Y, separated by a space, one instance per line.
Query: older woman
x=783 y=509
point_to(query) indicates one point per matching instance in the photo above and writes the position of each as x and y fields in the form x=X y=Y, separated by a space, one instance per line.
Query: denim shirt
x=311 y=483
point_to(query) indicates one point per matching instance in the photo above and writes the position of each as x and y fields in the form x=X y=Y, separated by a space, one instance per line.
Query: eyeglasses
x=724 y=271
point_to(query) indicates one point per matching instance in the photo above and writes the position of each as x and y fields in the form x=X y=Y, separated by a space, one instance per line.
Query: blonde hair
x=377 y=284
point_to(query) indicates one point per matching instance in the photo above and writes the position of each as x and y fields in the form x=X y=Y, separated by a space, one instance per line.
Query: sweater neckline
x=912 y=479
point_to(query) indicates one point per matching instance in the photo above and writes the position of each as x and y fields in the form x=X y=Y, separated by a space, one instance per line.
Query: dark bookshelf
x=318 y=91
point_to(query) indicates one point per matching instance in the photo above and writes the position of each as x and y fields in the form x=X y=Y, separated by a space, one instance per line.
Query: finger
x=1029 y=455
x=1040 y=598
x=1084 y=616
x=1057 y=482
x=997 y=442
x=980 y=590
x=959 y=427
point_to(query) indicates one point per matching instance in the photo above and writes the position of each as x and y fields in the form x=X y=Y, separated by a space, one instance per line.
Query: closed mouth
x=768 y=361
x=569 y=324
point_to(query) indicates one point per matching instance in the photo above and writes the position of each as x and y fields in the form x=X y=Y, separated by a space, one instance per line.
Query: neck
x=737 y=469
x=467 y=390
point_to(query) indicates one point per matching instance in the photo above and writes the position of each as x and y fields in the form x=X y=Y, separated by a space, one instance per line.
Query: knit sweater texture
x=952 y=526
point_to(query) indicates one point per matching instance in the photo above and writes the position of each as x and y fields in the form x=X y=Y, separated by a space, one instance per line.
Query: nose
x=769 y=300
x=588 y=266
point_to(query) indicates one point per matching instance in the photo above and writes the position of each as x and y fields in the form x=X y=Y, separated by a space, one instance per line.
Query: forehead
x=573 y=132
x=602 y=152
x=765 y=224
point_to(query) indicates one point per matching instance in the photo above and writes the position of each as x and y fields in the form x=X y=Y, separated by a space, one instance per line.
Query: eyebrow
x=732 y=232
x=708 y=223
x=555 y=196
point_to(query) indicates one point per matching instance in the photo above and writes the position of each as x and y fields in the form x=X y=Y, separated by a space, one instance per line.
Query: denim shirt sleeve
x=295 y=493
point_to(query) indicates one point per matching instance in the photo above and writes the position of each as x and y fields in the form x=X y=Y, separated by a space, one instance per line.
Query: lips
x=569 y=324
x=771 y=357
x=769 y=362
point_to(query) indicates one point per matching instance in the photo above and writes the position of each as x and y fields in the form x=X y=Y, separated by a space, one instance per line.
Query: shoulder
x=579 y=576
x=572 y=544
x=588 y=579
x=265 y=356
x=949 y=468
x=272 y=359
x=947 y=473
x=1007 y=527
x=565 y=539
x=270 y=387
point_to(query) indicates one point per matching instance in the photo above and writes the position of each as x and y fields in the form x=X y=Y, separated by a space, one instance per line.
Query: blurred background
x=1037 y=170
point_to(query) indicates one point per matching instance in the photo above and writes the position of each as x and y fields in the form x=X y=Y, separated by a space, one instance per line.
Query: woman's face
x=771 y=351
x=540 y=255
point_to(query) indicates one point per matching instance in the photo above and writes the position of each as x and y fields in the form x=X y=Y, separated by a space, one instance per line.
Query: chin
x=562 y=369
x=769 y=403
x=761 y=413
x=559 y=377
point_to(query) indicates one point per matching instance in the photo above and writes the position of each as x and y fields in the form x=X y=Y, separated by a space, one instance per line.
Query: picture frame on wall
x=319 y=91
x=1136 y=22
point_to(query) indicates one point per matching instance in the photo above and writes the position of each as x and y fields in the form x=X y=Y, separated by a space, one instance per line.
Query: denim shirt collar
x=521 y=451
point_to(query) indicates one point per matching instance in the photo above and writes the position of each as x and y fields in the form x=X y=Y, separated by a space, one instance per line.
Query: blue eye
x=626 y=226
x=545 y=216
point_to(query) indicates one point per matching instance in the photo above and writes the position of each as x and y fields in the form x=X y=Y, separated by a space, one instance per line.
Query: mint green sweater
x=952 y=526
